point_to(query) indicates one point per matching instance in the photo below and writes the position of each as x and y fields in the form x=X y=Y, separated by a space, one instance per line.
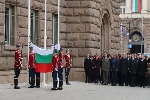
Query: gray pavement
x=75 y=91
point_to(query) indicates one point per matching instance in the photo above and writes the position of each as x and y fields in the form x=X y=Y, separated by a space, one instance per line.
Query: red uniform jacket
x=18 y=59
x=67 y=58
x=31 y=63
x=60 y=61
x=55 y=62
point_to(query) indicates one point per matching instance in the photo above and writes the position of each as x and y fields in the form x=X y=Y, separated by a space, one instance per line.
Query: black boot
x=67 y=83
x=54 y=85
x=60 y=85
x=38 y=83
x=16 y=83
x=86 y=79
x=32 y=83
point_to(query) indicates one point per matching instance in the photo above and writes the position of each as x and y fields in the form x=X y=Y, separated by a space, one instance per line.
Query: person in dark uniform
x=31 y=67
x=68 y=65
x=18 y=65
x=137 y=78
x=87 y=68
x=105 y=68
x=55 y=69
x=128 y=65
x=101 y=75
x=102 y=56
x=132 y=70
x=142 y=70
x=92 y=70
x=114 y=69
x=123 y=65
x=96 y=65
x=119 y=70
x=147 y=61
x=110 y=72
x=60 y=69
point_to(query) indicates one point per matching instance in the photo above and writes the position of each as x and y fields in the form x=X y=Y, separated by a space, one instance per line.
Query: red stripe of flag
x=139 y=6
x=43 y=68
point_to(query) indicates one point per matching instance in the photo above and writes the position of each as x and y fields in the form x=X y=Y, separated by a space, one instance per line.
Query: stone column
x=148 y=3
x=144 y=5
x=128 y=6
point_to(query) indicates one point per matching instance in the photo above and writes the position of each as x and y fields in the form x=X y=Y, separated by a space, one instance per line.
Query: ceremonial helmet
x=18 y=45
x=30 y=47
x=61 y=49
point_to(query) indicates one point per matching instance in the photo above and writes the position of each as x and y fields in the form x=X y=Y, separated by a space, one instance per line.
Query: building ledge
x=9 y=48
x=134 y=15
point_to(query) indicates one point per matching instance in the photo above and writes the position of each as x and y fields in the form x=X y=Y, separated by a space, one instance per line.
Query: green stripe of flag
x=136 y=5
x=44 y=58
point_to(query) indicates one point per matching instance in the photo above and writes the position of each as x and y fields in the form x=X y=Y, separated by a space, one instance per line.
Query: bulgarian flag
x=136 y=6
x=44 y=58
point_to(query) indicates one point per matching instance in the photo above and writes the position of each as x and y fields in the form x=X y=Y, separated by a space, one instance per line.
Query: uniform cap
x=30 y=47
x=18 y=45
x=68 y=50
x=61 y=48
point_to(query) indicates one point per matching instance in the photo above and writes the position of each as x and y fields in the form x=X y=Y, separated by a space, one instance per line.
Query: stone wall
x=80 y=29
x=84 y=21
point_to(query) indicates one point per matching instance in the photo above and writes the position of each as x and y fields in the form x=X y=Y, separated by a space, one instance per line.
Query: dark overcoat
x=114 y=64
x=133 y=66
x=87 y=65
x=142 y=67
x=96 y=64
x=123 y=66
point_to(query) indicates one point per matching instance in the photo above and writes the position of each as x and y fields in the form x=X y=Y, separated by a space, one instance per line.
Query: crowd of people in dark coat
x=122 y=69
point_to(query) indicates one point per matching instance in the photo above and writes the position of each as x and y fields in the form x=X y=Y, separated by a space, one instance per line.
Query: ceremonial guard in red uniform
x=31 y=66
x=60 y=69
x=68 y=65
x=18 y=65
x=55 y=70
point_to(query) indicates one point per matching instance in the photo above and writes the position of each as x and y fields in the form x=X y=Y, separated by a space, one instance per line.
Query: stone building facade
x=86 y=26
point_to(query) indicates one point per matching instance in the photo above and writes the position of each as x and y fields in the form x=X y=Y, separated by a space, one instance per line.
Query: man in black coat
x=123 y=68
x=142 y=71
x=87 y=68
x=114 y=69
x=137 y=77
x=132 y=70
x=96 y=64
x=128 y=65
x=119 y=70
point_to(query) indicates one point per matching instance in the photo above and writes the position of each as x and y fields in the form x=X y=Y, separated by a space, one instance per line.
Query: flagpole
x=45 y=38
x=28 y=39
x=121 y=40
x=58 y=19
x=58 y=28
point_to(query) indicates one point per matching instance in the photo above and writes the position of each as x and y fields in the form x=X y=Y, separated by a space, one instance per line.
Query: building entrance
x=136 y=49
x=136 y=40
